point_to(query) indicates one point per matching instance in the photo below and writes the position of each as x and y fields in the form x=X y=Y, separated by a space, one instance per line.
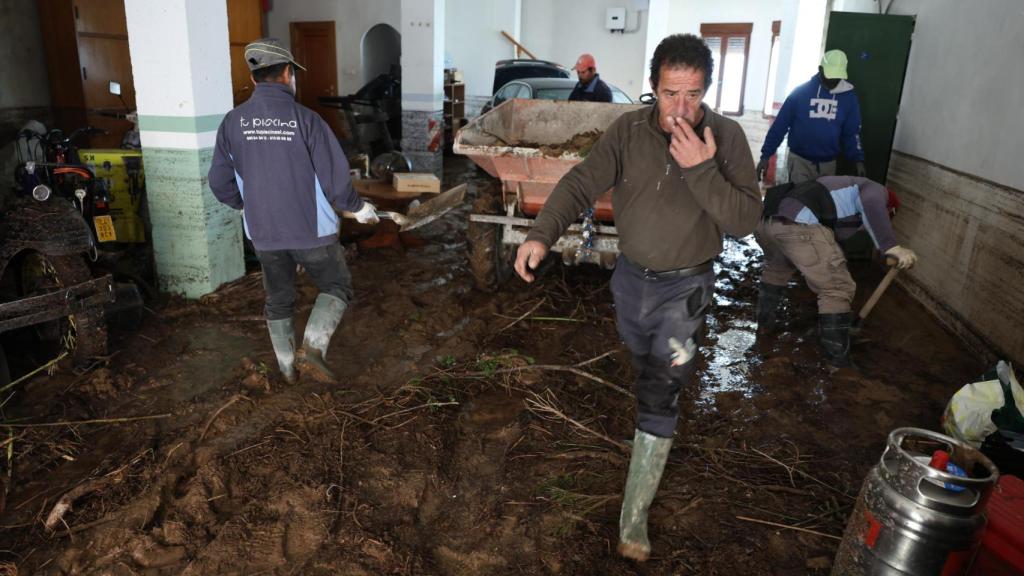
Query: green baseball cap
x=834 y=64
x=267 y=52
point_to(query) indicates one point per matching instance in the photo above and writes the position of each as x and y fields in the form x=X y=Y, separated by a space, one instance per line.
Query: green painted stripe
x=186 y=124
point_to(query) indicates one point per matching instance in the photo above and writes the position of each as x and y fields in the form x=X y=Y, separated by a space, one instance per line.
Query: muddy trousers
x=660 y=317
x=811 y=249
x=325 y=265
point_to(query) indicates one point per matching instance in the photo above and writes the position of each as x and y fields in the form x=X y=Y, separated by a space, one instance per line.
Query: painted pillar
x=182 y=71
x=423 y=83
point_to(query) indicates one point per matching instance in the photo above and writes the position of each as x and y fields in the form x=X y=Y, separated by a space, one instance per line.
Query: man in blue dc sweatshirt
x=820 y=115
x=279 y=163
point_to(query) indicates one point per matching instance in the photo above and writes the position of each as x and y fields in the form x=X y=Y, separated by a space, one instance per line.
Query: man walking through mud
x=681 y=176
x=279 y=163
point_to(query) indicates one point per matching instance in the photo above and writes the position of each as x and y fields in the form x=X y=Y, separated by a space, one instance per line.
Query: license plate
x=104 y=228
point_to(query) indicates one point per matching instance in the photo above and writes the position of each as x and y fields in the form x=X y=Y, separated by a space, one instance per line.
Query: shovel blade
x=433 y=209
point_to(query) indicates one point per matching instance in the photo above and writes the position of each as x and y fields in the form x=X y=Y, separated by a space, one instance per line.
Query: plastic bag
x=979 y=409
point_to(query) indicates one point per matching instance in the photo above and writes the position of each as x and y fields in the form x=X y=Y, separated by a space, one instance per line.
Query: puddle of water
x=727 y=362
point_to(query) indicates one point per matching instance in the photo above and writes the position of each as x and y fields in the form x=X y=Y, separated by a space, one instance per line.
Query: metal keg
x=913 y=519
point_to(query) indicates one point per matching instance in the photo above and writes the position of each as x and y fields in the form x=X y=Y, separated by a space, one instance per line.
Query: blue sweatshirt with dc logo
x=281 y=165
x=818 y=121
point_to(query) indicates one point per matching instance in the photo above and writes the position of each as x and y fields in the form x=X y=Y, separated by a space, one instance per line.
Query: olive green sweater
x=667 y=217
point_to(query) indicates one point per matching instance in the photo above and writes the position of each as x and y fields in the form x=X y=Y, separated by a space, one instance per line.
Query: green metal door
x=877 y=47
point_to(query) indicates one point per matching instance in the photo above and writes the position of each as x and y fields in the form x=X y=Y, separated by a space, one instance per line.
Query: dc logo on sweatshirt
x=824 y=108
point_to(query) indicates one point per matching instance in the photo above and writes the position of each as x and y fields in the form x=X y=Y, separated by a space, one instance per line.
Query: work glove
x=862 y=170
x=762 y=168
x=367 y=214
x=905 y=257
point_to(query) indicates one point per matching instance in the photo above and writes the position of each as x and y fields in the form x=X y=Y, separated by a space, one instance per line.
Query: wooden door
x=245 y=24
x=314 y=47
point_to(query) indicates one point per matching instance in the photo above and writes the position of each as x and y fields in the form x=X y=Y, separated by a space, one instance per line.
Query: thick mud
x=471 y=433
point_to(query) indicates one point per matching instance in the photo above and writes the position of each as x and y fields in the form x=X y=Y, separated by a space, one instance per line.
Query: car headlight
x=41 y=192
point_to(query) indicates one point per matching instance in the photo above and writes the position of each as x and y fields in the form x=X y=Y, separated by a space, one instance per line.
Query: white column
x=423 y=83
x=182 y=71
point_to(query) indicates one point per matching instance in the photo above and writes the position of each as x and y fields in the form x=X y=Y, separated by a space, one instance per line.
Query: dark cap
x=268 y=52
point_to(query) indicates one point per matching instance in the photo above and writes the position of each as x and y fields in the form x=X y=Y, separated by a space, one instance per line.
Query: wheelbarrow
x=528 y=145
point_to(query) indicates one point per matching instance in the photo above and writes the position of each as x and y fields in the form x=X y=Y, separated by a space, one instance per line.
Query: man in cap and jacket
x=822 y=117
x=590 y=87
x=281 y=165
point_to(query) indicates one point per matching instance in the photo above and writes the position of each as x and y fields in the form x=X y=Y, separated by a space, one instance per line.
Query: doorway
x=314 y=46
x=381 y=52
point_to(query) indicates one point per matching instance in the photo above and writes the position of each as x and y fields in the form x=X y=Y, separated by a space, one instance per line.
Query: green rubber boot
x=645 y=467
x=282 y=337
x=323 y=321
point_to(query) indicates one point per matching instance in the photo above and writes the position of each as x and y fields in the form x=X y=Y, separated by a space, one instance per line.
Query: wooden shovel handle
x=882 y=286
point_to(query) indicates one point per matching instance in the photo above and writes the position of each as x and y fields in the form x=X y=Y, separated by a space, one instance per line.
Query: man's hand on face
x=687 y=148
x=528 y=257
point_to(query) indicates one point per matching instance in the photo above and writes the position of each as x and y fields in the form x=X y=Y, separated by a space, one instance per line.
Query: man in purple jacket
x=279 y=163
x=798 y=231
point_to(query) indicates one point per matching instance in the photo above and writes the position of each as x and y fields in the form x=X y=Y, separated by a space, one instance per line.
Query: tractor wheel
x=490 y=260
x=82 y=334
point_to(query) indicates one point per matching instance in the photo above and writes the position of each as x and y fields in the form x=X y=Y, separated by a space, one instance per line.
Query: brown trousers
x=811 y=249
x=801 y=169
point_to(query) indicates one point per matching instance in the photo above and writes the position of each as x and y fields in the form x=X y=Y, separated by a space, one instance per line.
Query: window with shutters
x=730 y=46
x=773 y=72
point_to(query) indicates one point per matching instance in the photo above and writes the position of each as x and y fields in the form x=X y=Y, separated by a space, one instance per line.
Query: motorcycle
x=50 y=304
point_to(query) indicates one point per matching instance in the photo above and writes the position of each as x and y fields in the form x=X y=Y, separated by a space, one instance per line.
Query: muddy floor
x=471 y=433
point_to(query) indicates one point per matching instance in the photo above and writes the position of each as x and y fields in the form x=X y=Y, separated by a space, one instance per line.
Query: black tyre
x=84 y=333
x=490 y=260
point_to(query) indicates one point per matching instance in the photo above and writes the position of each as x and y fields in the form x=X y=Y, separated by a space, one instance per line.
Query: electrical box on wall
x=616 y=19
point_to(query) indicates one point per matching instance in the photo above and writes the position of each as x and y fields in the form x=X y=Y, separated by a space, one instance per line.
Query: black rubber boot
x=768 y=306
x=834 y=332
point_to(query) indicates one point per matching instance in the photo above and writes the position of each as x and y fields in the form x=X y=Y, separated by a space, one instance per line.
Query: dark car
x=544 y=89
x=506 y=71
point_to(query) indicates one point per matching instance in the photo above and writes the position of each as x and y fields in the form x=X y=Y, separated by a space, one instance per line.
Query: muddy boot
x=323 y=320
x=645 y=467
x=767 y=308
x=282 y=337
x=834 y=332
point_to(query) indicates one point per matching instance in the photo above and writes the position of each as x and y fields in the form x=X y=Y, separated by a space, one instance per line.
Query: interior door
x=877 y=47
x=245 y=24
x=314 y=46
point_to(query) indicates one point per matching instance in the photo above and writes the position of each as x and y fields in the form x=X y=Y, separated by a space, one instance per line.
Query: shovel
x=875 y=296
x=423 y=213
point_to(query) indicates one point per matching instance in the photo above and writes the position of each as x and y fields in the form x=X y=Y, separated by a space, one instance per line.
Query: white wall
x=963 y=98
x=561 y=31
x=352 y=18
x=473 y=40
x=688 y=15
x=23 y=79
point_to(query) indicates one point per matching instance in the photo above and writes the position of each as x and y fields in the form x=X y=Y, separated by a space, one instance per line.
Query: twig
x=209 y=421
x=595 y=359
x=548 y=409
x=528 y=312
x=805 y=475
x=777 y=525
x=427 y=405
x=78 y=422
x=63 y=505
x=46 y=366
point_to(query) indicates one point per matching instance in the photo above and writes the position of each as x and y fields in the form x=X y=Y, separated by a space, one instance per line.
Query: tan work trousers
x=801 y=169
x=811 y=249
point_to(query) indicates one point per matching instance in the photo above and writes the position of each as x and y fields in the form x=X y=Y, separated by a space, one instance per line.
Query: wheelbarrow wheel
x=490 y=260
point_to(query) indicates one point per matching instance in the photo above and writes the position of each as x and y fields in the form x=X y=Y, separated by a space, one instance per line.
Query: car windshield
x=552 y=93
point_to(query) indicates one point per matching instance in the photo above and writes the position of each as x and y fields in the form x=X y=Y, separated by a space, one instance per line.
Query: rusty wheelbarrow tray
x=529 y=145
